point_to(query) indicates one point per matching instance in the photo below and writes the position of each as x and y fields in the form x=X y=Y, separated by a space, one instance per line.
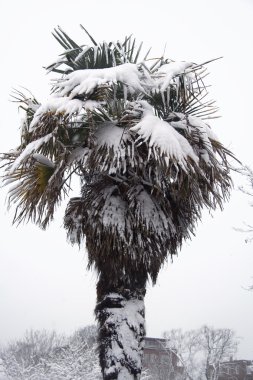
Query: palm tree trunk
x=121 y=319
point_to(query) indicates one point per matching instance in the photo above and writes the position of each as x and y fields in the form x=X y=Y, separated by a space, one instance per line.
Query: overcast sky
x=43 y=280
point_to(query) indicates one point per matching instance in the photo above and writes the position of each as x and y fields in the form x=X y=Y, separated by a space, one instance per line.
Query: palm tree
x=136 y=133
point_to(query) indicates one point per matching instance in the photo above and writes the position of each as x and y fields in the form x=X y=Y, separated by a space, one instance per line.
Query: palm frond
x=37 y=187
x=97 y=56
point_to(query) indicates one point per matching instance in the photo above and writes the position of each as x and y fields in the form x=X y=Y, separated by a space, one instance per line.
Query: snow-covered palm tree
x=135 y=131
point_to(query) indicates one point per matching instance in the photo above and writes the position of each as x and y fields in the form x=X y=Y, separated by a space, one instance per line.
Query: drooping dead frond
x=74 y=220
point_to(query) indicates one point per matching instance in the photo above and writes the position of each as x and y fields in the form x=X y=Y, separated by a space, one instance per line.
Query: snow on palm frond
x=32 y=147
x=57 y=105
x=111 y=145
x=83 y=82
x=166 y=72
x=163 y=140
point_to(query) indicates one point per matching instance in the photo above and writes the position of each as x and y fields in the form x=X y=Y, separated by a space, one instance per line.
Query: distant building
x=236 y=370
x=161 y=362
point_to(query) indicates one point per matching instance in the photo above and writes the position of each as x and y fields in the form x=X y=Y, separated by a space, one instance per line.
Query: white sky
x=43 y=280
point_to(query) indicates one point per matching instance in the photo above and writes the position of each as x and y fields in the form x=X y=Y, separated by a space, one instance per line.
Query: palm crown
x=136 y=135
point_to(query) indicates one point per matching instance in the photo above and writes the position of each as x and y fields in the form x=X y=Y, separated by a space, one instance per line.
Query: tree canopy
x=136 y=132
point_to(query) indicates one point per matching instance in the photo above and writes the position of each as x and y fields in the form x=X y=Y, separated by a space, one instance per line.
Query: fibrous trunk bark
x=121 y=319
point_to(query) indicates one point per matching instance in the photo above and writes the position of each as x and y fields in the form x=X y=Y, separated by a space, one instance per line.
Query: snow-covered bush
x=48 y=356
